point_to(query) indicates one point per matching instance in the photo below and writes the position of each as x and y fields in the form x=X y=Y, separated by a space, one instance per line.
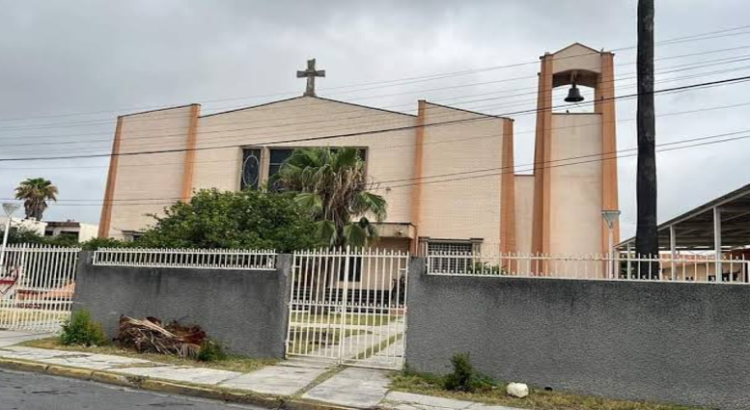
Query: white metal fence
x=36 y=286
x=621 y=266
x=349 y=306
x=186 y=258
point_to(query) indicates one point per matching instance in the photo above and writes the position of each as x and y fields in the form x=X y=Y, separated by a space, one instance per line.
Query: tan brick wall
x=468 y=207
x=141 y=178
x=389 y=154
x=576 y=194
x=524 y=212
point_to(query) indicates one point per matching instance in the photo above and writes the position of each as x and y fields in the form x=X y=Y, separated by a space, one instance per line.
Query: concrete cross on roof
x=311 y=73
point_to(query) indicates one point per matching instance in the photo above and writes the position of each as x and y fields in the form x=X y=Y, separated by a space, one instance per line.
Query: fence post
x=19 y=283
x=342 y=320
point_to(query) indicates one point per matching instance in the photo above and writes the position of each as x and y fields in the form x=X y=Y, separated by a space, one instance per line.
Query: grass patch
x=538 y=399
x=232 y=363
x=351 y=318
x=305 y=340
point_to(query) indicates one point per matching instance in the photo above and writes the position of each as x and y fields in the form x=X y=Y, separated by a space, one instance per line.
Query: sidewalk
x=296 y=383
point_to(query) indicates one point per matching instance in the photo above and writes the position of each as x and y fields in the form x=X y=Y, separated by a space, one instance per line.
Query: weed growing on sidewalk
x=211 y=351
x=82 y=330
x=464 y=377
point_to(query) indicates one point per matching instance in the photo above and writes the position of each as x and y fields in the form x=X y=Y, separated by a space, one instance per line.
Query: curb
x=168 y=387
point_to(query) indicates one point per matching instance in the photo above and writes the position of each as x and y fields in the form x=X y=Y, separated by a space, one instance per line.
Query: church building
x=446 y=173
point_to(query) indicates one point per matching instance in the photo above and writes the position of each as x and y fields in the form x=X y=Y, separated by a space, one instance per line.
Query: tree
x=331 y=184
x=35 y=192
x=647 y=239
x=247 y=219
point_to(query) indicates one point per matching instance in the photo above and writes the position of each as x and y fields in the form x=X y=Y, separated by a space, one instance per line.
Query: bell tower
x=575 y=163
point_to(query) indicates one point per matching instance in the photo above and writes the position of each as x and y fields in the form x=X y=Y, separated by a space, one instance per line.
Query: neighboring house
x=31 y=225
x=81 y=231
x=447 y=173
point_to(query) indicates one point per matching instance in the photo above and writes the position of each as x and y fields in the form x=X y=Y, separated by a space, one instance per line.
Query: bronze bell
x=574 y=95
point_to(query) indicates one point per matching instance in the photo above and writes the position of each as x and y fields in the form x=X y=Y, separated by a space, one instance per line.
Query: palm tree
x=35 y=192
x=331 y=184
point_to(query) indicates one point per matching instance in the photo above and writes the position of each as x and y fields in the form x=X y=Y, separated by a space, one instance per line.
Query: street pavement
x=31 y=391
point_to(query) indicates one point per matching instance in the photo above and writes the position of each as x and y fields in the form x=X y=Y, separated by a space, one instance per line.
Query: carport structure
x=719 y=229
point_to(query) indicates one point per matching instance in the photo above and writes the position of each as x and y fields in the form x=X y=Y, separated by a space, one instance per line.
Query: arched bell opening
x=574 y=91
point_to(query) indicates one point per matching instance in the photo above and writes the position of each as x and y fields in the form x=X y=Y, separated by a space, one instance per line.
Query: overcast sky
x=59 y=60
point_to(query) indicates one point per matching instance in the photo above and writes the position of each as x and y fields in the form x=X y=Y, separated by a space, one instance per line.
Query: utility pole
x=646 y=238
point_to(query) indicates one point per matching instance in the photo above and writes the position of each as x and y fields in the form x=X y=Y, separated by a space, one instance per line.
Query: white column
x=630 y=262
x=673 y=249
x=717 y=242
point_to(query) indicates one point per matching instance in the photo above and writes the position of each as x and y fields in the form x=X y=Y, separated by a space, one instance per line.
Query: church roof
x=576 y=44
x=306 y=96
x=317 y=98
x=174 y=107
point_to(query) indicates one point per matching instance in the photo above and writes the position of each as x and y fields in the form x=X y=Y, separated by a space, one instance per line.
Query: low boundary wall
x=671 y=342
x=245 y=310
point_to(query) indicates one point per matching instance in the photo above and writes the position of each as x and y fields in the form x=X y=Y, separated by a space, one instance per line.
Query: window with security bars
x=450 y=256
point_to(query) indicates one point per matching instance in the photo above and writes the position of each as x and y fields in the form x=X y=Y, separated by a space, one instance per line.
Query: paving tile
x=182 y=374
x=309 y=363
x=97 y=361
x=430 y=401
x=359 y=388
x=279 y=380
x=480 y=406
x=29 y=353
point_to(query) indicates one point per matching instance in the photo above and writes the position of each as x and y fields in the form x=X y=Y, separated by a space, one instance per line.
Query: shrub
x=96 y=243
x=485 y=268
x=81 y=330
x=464 y=378
x=211 y=351
x=247 y=219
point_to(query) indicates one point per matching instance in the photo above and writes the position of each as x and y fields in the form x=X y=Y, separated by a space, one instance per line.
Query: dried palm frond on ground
x=150 y=336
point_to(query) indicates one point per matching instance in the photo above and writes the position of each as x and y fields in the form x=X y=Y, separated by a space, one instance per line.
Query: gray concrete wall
x=670 y=342
x=244 y=310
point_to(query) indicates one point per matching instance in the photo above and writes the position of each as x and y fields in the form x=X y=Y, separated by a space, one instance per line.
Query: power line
x=352 y=134
x=671 y=146
x=298 y=130
x=714 y=108
x=397 y=82
x=590 y=161
x=272 y=106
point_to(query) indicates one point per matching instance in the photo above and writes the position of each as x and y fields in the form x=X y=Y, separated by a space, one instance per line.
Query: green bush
x=247 y=219
x=485 y=268
x=211 y=351
x=464 y=377
x=96 y=243
x=81 y=330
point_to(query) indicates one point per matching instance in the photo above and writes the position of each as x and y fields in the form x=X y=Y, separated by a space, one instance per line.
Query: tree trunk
x=647 y=240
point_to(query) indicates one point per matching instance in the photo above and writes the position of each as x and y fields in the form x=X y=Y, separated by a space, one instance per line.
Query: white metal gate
x=349 y=306
x=36 y=286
